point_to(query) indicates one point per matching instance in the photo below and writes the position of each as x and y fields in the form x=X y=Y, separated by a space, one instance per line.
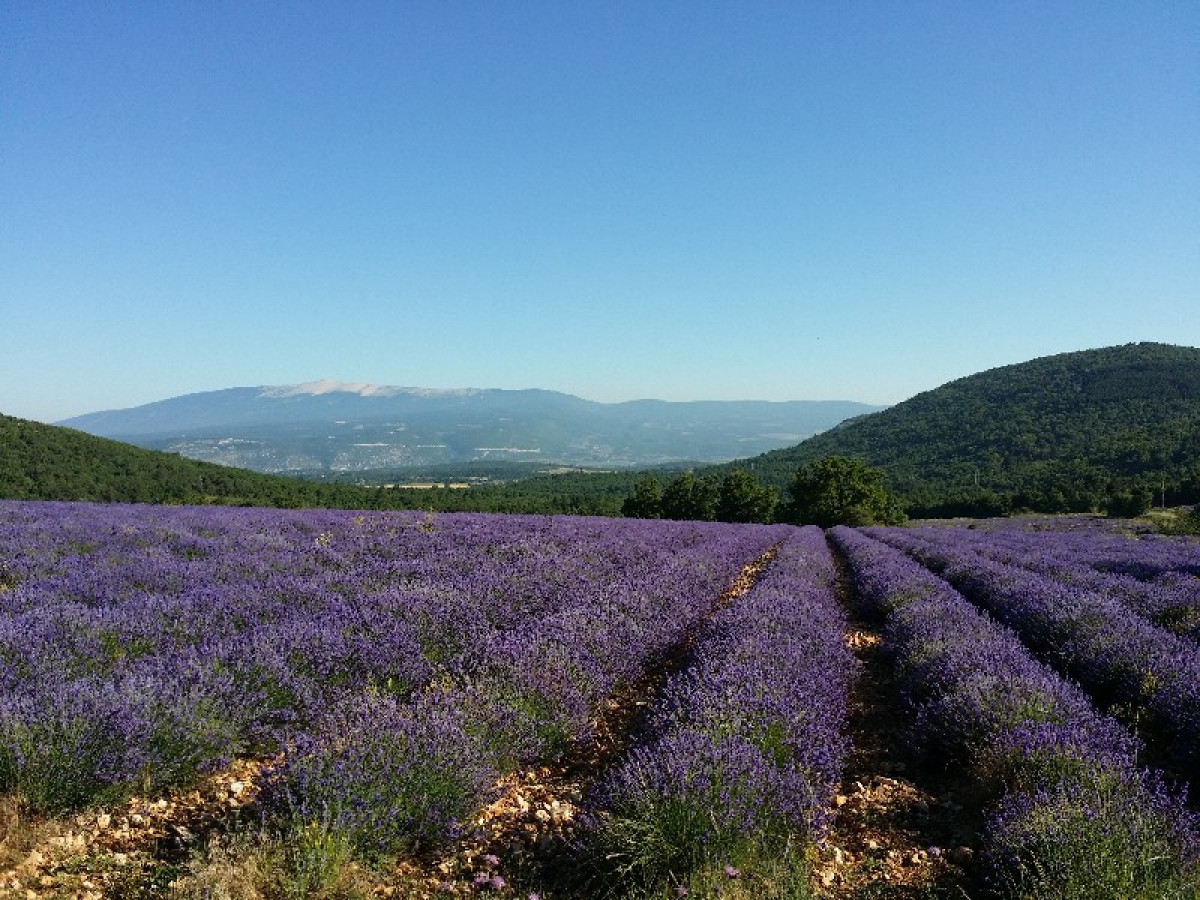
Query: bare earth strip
x=903 y=829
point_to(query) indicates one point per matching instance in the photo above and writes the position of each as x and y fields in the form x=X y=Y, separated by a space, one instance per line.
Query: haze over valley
x=330 y=426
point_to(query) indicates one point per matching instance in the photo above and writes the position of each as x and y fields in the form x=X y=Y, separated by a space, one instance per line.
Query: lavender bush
x=1098 y=837
x=1122 y=659
x=382 y=776
x=741 y=757
x=1067 y=779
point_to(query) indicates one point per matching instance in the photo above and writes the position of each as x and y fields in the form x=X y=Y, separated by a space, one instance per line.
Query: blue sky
x=798 y=200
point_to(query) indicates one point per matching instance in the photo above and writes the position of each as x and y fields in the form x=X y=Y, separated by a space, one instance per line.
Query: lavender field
x=403 y=704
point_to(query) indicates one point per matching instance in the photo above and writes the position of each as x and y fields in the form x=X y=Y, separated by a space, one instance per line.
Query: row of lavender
x=1123 y=660
x=380 y=776
x=141 y=645
x=1157 y=578
x=737 y=770
x=1073 y=815
x=1147 y=557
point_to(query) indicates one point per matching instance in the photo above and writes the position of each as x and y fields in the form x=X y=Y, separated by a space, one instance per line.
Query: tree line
x=51 y=463
x=834 y=490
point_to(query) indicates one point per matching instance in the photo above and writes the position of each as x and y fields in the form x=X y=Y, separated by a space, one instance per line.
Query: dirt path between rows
x=903 y=828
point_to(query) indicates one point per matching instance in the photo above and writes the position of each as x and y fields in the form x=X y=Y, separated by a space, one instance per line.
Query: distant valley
x=336 y=427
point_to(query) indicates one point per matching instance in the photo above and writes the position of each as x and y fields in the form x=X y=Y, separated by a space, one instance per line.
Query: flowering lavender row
x=140 y=645
x=387 y=778
x=1146 y=557
x=1075 y=816
x=968 y=677
x=743 y=753
x=1170 y=598
x=1118 y=656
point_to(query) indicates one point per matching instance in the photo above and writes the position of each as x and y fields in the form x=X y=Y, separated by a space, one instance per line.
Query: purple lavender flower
x=1072 y=794
x=1078 y=626
x=141 y=640
x=748 y=741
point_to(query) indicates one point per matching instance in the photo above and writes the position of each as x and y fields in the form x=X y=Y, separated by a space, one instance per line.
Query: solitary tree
x=1128 y=503
x=836 y=490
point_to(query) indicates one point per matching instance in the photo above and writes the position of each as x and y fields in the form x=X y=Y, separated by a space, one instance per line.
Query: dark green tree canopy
x=1073 y=431
x=646 y=500
x=736 y=497
x=837 y=490
x=742 y=498
x=687 y=497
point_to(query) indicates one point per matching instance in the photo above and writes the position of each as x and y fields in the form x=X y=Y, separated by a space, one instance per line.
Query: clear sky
x=684 y=200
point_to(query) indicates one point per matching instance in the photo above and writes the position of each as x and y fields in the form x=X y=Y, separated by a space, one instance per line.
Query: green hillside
x=1059 y=433
x=48 y=462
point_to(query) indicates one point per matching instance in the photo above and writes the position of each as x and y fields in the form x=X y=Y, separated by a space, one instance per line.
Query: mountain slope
x=1060 y=432
x=331 y=426
x=46 y=462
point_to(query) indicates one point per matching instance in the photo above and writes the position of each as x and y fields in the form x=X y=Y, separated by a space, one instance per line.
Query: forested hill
x=1057 y=433
x=49 y=462
x=1066 y=432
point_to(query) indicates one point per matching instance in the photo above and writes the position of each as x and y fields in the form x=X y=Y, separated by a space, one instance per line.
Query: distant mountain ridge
x=333 y=426
x=1057 y=433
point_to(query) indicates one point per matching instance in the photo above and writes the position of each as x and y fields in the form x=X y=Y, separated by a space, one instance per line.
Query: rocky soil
x=111 y=851
x=903 y=828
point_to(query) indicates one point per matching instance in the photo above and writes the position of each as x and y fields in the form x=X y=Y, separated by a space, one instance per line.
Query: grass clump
x=1100 y=841
x=676 y=846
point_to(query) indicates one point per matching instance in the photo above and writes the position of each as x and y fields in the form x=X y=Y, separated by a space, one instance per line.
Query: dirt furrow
x=903 y=828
